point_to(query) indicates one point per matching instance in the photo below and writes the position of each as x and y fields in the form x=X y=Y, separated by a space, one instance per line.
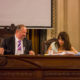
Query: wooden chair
x=46 y=44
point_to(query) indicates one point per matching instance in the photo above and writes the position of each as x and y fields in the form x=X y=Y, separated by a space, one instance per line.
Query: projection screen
x=31 y=13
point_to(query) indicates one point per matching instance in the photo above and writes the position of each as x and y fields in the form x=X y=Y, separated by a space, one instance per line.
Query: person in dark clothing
x=17 y=44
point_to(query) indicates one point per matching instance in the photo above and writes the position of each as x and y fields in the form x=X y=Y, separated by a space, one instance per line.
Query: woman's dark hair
x=65 y=37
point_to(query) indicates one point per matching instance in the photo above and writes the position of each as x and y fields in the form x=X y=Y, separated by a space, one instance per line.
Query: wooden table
x=39 y=67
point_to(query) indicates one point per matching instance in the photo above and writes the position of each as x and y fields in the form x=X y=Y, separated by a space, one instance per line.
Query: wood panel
x=26 y=67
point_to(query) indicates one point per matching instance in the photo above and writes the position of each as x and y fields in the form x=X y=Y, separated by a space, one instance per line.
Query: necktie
x=19 y=45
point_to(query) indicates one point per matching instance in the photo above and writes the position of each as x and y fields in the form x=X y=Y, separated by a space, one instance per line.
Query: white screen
x=27 y=12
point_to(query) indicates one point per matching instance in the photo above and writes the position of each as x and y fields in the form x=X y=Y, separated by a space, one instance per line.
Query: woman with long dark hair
x=62 y=44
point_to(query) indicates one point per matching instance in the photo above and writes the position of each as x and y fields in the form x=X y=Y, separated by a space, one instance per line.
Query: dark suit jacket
x=9 y=45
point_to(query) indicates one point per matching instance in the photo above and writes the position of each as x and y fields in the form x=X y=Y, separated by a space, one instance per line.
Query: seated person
x=17 y=44
x=62 y=44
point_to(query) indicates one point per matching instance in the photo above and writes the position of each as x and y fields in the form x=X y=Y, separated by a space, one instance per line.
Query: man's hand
x=31 y=53
x=1 y=51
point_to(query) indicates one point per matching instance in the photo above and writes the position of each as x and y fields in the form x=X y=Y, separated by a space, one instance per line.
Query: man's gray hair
x=20 y=26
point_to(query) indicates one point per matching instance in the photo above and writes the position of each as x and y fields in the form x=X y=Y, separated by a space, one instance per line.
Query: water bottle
x=50 y=52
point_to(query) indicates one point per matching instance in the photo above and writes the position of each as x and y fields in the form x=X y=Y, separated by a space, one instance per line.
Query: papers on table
x=62 y=53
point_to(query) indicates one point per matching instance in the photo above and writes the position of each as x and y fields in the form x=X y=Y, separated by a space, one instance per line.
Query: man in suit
x=17 y=44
